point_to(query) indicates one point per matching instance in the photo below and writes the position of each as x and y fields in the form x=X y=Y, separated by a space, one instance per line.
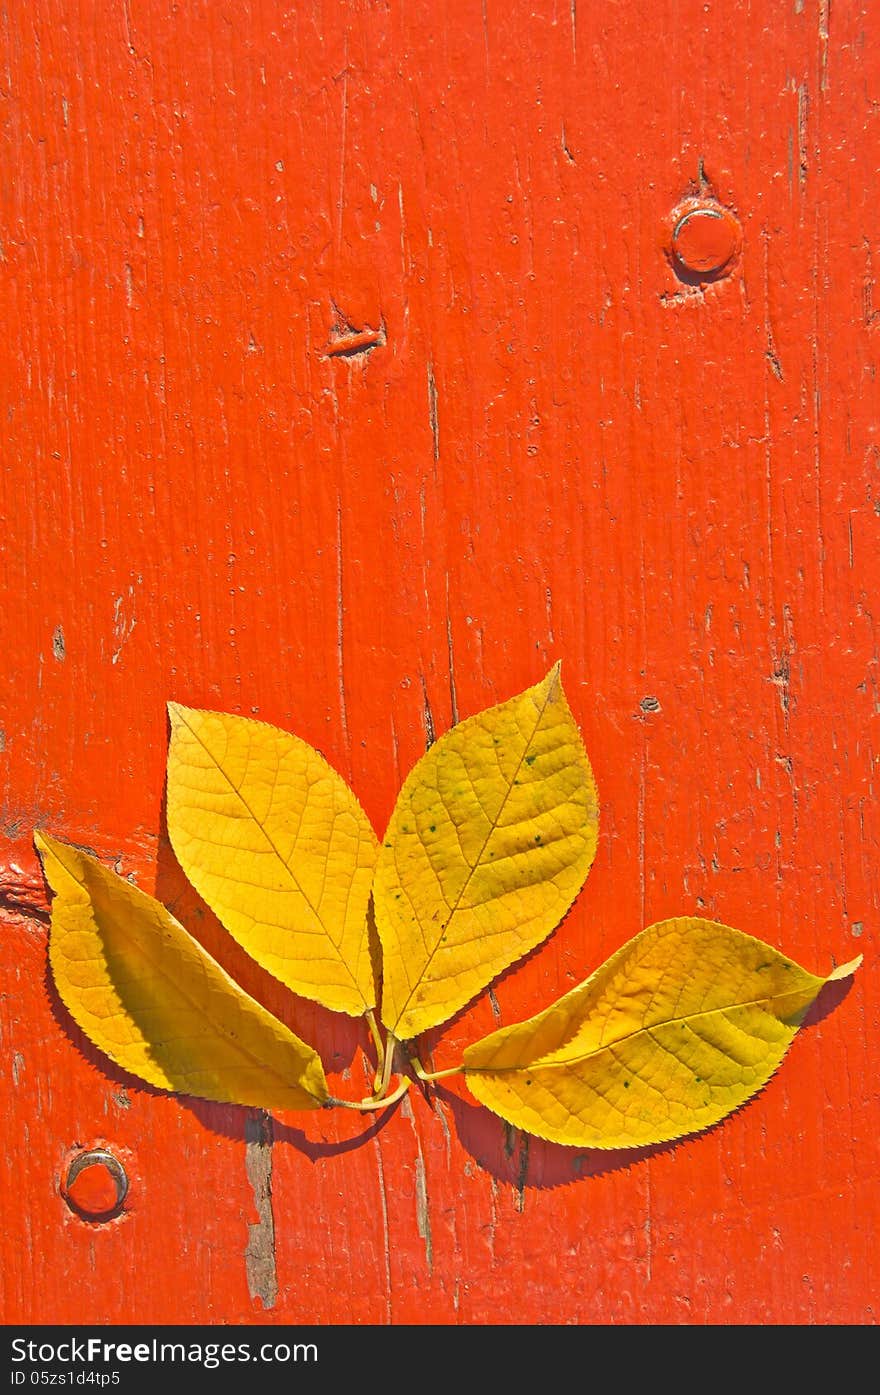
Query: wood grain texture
x=347 y=381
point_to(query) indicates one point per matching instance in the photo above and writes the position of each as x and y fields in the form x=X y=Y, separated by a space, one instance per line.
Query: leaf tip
x=52 y=856
x=45 y=845
x=175 y=713
x=845 y=970
x=553 y=680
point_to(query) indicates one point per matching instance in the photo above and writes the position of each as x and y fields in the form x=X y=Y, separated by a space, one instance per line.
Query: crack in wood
x=22 y=896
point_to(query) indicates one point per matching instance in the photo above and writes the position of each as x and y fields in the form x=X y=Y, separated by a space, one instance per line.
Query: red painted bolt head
x=96 y=1185
x=706 y=239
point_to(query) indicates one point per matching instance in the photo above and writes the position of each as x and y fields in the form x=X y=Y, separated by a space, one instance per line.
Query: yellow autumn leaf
x=145 y=992
x=279 y=847
x=490 y=840
x=675 y=1030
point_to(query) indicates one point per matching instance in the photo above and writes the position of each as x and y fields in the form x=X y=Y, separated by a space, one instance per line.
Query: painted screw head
x=705 y=241
x=96 y=1185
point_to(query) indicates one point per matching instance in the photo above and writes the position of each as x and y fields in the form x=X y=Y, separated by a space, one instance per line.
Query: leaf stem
x=428 y=1075
x=364 y=1106
x=390 y=1047
x=380 y=1048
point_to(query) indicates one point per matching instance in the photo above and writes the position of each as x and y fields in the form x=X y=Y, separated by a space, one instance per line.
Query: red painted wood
x=346 y=367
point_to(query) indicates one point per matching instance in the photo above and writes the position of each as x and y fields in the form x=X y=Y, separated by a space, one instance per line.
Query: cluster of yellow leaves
x=489 y=843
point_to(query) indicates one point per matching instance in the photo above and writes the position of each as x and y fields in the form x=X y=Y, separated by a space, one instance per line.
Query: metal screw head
x=96 y=1185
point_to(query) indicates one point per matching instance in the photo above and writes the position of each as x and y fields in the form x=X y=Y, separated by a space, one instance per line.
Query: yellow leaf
x=676 y=1029
x=279 y=847
x=145 y=992
x=489 y=843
